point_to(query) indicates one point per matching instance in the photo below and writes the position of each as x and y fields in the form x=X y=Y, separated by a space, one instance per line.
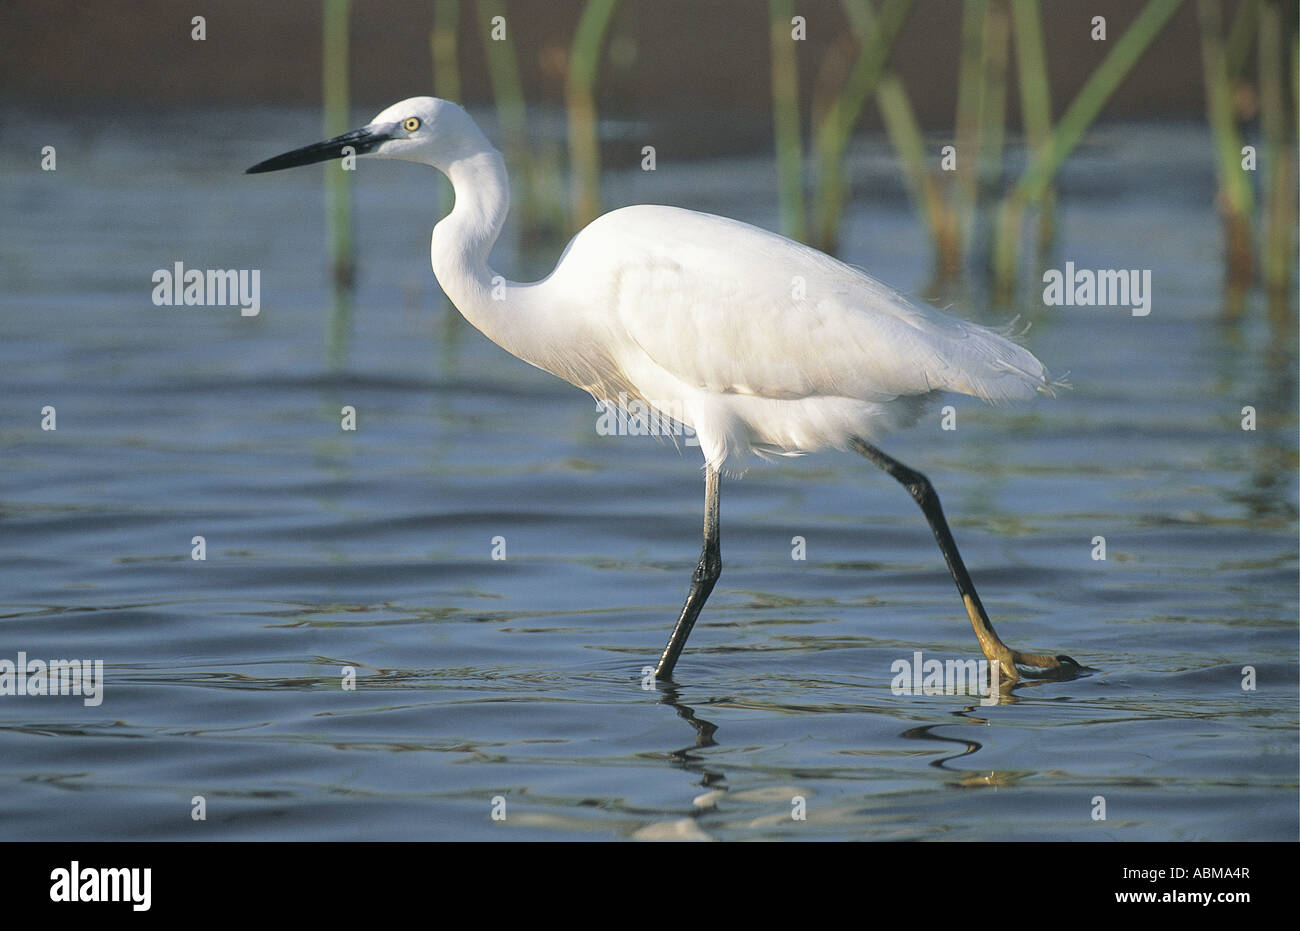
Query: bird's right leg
x=919 y=487
x=702 y=580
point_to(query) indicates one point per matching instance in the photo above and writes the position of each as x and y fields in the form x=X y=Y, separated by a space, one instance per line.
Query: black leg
x=919 y=487
x=702 y=580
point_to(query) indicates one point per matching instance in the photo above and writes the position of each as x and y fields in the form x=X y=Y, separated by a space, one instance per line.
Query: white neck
x=463 y=240
x=520 y=318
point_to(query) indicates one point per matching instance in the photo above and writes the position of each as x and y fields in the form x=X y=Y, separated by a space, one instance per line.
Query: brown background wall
x=707 y=56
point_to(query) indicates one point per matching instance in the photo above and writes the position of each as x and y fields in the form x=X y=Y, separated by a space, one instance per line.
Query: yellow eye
x=411 y=124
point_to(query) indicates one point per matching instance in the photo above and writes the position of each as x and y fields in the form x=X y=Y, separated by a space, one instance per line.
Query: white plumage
x=762 y=345
x=768 y=346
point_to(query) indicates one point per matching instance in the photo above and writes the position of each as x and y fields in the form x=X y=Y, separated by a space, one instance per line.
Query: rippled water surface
x=520 y=678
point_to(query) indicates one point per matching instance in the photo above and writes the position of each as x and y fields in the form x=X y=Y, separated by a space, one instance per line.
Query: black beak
x=363 y=140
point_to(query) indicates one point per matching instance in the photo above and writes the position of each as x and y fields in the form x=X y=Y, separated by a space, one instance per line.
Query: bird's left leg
x=919 y=487
x=702 y=580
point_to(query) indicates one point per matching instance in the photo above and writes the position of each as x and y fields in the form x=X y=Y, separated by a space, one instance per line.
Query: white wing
x=734 y=309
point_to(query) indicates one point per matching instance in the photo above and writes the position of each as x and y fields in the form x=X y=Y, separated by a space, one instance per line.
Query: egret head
x=418 y=129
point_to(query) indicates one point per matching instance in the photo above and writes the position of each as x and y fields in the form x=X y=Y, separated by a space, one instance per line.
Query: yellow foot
x=1049 y=667
x=1007 y=659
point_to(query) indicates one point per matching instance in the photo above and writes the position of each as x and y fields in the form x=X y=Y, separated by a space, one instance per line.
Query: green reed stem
x=1035 y=101
x=445 y=57
x=1279 y=159
x=1236 y=50
x=508 y=91
x=785 y=120
x=971 y=91
x=832 y=136
x=338 y=184
x=579 y=91
x=1236 y=199
x=1083 y=110
x=904 y=131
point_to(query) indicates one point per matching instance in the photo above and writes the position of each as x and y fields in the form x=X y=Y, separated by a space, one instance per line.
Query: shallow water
x=521 y=678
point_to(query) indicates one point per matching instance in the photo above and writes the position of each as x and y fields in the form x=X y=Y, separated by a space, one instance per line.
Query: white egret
x=760 y=344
